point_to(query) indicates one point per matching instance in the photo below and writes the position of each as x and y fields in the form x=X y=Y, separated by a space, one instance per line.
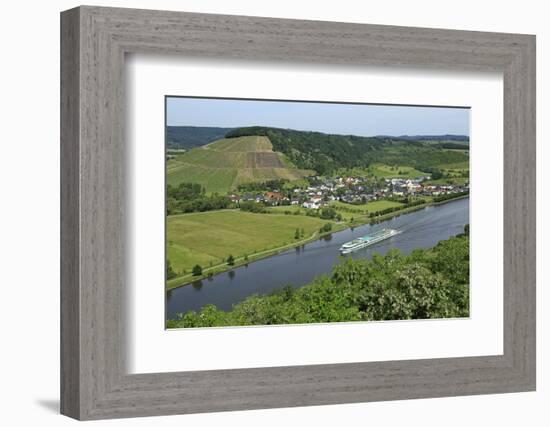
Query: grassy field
x=459 y=150
x=349 y=211
x=455 y=167
x=208 y=238
x=214 y=180
x=379 y=170
x=455 y=174
x=242 y=144
x=449 y=181
x=224 y=164
x=396 y=171
x=283 y=209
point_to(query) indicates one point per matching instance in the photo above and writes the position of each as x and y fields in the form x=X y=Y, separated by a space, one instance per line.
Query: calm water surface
x=299 y=266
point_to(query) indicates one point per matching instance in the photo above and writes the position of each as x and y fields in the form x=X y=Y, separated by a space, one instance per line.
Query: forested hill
x=188 y=137
x=326 y=153
x=439 y=138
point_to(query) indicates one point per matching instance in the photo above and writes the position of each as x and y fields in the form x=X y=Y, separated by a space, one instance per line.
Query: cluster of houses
x=348 y=190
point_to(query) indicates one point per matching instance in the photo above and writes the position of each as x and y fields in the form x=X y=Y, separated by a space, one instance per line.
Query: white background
x=150 y=78
x=29 y=225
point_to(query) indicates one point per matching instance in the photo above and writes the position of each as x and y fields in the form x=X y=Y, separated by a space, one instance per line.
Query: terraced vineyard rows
x=226 y=163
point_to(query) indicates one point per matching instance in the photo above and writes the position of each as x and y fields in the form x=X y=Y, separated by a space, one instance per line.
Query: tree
x=197 y=270
x=326 y=228
x=230 y=260
x=328 y=213
x=297 y=234
x=188 y=197
x=253 y=207
x=170 y=273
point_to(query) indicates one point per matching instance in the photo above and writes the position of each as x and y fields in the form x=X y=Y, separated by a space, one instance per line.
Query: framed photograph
x=261 y=213
x=274 y=205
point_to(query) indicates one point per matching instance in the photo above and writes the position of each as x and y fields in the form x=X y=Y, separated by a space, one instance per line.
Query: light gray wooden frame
x=94 y=41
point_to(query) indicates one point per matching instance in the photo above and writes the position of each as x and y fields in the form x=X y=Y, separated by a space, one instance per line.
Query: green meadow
x=455 y=174
x=349 y=211
x=208 y=238
x=395 y=171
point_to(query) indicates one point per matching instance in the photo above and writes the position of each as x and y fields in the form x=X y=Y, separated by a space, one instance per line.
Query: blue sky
x=363 y=120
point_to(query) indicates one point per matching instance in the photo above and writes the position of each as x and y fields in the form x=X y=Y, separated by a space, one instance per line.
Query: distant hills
x=188 y=137
x=448 y=141
x=438 y=138
x=222 y=158
x=326 y=153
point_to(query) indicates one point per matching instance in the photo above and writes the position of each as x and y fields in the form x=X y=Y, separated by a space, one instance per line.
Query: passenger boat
x=369 y=239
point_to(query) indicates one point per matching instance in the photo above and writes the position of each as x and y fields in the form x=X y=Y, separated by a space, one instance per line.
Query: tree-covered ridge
x=446 y=137
x=428 y=283
x=325 y=153
x=188 y=137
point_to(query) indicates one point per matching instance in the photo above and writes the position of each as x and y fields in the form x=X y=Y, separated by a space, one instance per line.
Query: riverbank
x=411 y=209
x=245 y=260
x=297 y=267
x=440 y=288
x=213 y=270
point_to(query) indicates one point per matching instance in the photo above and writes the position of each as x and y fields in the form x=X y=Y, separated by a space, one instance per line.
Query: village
x=321 y=191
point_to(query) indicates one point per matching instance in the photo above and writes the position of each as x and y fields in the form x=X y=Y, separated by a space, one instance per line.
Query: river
x=300 y=265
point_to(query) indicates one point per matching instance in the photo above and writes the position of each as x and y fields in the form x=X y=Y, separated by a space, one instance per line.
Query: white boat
x=369 y=239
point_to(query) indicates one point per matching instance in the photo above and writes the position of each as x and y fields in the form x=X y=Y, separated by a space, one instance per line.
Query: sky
x=354 y=119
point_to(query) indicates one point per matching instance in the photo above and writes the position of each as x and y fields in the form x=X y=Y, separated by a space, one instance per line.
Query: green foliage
x=450 y=196
x=253 y=207
x=326 y=153
x=192 y=136
x=385 y=211
x=452 y=146
x=326 y=228
x=270 y=185
x=328 y=213
x=435 y=173
x=170 y=273
x=197 y=270
x=417 y=202
x=432 y=283
x=189 y=197
x=230 y=260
